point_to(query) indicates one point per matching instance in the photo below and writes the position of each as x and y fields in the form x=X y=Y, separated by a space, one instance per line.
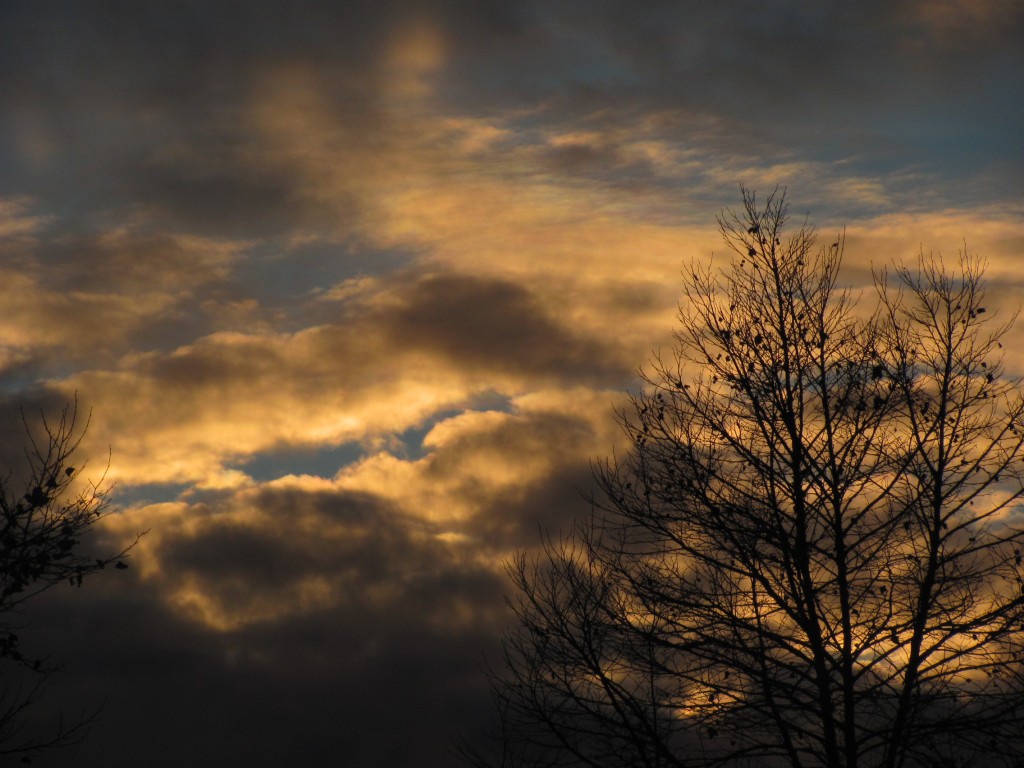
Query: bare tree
x=41 y=531
x=812 y=554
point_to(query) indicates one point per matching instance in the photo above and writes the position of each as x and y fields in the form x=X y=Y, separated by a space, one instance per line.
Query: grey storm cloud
x=321 y=687
x=351 y=540
x=346 y=688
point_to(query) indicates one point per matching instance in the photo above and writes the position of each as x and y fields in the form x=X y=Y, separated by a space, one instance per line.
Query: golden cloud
x=475 y=459
x=88 y=294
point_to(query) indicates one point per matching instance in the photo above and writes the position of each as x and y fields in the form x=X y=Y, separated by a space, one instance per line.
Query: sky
x=352 y=291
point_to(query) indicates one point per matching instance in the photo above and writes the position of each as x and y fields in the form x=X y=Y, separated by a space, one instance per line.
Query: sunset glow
x=353 y=290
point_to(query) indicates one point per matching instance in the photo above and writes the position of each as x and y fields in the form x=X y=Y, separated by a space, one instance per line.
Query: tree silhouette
x=811 y=555
x=40 y=536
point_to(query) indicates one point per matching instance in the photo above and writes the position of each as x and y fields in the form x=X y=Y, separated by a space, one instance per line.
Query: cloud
x=274 y=554
x=204 y=133
x=494 y=325
x=427 y=244
x=22 y=421
x=85 y=297
x=398 y=352
x=217 y=598
x=301 y=606
x=304 y=605
x=963 y=25
x=231 y=557
x=17 y=219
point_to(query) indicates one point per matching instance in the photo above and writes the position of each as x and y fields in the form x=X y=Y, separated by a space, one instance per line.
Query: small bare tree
x=812 y=555
x=41 y=529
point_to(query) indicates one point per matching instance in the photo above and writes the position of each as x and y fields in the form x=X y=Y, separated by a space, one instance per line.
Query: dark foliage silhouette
x=812 y=554
x=41 y=532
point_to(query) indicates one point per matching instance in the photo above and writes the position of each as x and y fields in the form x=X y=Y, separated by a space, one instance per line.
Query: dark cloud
x=286 y=537
x=497 y=325
x=385 y=691
x=763 y=62
x=512 y=517
x=382 y=674
x=551 y=505
x=878 y=85
x=147 y=106
x=23 y=419
x=221 y=192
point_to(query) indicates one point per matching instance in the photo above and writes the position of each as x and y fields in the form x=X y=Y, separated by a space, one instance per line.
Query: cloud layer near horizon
x=353 y=289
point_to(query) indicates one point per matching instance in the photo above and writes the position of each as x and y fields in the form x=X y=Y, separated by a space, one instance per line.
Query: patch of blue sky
x=123 y=496
x=277 y=275
x=411 y=440
x=18 y=379
x=328 y=461
x=319 y=462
